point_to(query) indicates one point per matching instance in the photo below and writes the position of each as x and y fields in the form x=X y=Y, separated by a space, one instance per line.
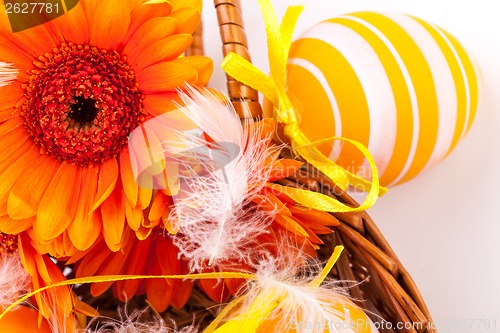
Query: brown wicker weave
x=386 y=288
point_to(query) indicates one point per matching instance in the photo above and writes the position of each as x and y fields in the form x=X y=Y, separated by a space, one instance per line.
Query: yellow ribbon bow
x=274 y=87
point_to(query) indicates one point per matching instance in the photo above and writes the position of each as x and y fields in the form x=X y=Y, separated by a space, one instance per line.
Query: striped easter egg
x=403 y=87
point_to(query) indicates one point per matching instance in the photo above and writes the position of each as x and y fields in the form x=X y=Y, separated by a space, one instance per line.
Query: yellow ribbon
x=259 y=310
x=115 y=278
x=274 y=87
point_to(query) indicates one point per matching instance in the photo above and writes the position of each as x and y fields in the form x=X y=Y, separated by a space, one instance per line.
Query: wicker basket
x=385 y=289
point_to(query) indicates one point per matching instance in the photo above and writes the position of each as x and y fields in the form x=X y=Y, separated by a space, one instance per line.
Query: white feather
x=301 y=307
x=132 y=324
x=212 y=207
x=14 y=279
x=8 y=73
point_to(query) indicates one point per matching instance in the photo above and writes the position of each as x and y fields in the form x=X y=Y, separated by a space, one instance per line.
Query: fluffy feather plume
x=14 y=279
x=282 y=300
x=224 y=167
x=8 y=73
x=132 y=324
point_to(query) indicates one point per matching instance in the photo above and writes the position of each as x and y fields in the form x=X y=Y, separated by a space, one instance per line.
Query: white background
x=445 y=224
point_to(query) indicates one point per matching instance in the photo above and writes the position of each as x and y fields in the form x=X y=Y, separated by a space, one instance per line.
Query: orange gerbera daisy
x=85 y=81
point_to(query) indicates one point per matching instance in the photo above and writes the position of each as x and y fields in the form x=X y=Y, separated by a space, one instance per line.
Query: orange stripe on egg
x=471 y=78
x=444 y=85
x=322 y=110
x=401 y=96
x=348 y=92
x=381 y=104
x=424 y=86
x=461 y=84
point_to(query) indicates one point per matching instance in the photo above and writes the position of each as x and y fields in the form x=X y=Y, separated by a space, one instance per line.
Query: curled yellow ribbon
x=274 y=87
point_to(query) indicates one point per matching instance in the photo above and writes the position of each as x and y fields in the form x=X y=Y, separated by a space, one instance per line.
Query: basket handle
x=234 y=39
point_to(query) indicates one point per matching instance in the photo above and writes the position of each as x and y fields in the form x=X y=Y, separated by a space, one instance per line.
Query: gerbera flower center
x=8 y=244
x=83 y=112
x=82 y=103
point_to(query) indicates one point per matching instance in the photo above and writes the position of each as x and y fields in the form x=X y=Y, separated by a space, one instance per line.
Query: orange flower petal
x=12 y=124
x=62 y=295
x=144 y=232
x=283 y=169
x=111 y=27
x=56 y=246
x=113 y=265
x=188 y=19
x=125 y=290
x=85 y=309
x=167 y=256
x=27 y=253
x=69 y=248
x=165 y=76
x=28 y=190
x=291 y=225
x=86 y=226
x=142 y=13
x=73 y=25
x=135 y=217
x=11 y=53
x=58 y=205
x=113 y=217
x=147 y=151
x=271 y=204
x=169 y=180
x=150 y=32
x=312 y=236
x=9 y=176
x=93 y=260
x=89 y=7
x=320 y=230
x=184 y=289
x=313 y=216
x=159 y=103
x=168 y=48
x=235 y=285
x=203 y=65
x=167 y=259
x=171 y=224
x=281 y=196
x=127 y=176
x=13 y=227
x=10 y=95
x=159 y=292
x=14 y=148
x=160 y=203
x=108 y=175
x=144 y=198
x=7 y=114
x=214 y=289
x=181 y=4
x=35 y=41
